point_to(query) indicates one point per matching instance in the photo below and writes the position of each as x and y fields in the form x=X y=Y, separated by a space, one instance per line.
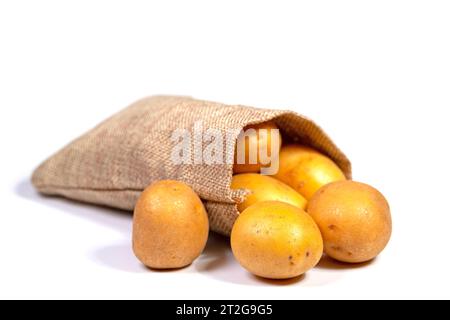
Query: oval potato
x=354 y=219
x=170 y=226
x=276 y=240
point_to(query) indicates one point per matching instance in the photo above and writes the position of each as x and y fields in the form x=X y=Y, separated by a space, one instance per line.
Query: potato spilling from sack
x=276 y=240
x=306 y=170
x=354 y=219
x=170 y=226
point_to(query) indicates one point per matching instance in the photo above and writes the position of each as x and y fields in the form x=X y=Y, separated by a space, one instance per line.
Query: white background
x=374 y=74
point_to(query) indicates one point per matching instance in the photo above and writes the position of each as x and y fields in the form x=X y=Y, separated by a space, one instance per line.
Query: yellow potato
x=306 y=170
x=170 y=226
x=276 y=240
x=265 y=188
x=260 y=142
x=354 y=219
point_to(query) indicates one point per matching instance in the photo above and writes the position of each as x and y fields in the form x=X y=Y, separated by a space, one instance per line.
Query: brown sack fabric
x=111 y=164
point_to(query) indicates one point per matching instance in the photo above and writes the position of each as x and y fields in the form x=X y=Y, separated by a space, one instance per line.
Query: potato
x=258 y=142
x=170 y=226
x=306 y=170
x=265 y=188
x=354 y=219
x=276 y=240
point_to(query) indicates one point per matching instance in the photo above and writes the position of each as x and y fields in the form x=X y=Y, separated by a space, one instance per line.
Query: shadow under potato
x=331 y=264
x=119 y=257
x=215 y=254
x=282 y=282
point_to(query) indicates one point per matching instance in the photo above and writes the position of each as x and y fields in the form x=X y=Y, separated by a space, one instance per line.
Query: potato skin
x=265 y=188
x=276 y=240
x=306 y=170
x=354 y=219
x=266 y=144
x=170 y=226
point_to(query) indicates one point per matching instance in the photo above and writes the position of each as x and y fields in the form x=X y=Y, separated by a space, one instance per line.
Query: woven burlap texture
x=111 y=164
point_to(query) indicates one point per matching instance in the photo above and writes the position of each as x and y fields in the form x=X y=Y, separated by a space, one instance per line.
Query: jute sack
x=112 y=164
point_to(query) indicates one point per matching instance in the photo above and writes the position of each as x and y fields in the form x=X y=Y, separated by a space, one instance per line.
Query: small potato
x=354 y=219
x=276 y=240
x=265 y=188
x=255 y=141
x=170 y=226
x=306 y=170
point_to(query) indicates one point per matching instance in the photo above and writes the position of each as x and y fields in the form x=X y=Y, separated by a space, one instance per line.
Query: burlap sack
x=111 y=164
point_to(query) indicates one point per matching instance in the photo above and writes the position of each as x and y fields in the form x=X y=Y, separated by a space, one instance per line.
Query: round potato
x=354 y=219
x=170 y=226
x=254 y=141
x=265 y=188
x=306 y=170
x=276 y=240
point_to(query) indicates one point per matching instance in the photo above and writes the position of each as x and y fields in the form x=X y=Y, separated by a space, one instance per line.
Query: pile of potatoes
x=286 y=222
